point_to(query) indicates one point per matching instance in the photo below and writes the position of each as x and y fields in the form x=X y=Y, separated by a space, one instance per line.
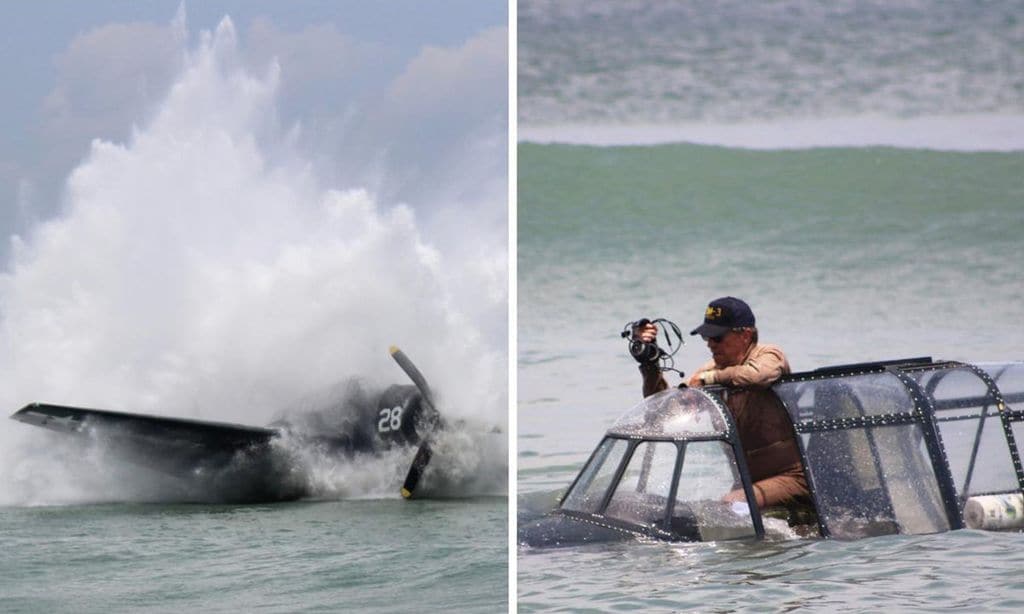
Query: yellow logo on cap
x=712 y=313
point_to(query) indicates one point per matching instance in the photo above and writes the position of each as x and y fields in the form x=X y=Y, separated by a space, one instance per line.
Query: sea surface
x=315 y=556
x=855 y=171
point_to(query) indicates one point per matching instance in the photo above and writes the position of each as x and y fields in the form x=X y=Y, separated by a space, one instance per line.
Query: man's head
x=729 y=329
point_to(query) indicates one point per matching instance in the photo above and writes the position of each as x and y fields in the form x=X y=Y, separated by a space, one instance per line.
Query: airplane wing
x=202 y=432
x=168 y=443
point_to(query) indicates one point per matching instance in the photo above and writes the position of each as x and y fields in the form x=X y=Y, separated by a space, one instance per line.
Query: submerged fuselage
x=893 y=447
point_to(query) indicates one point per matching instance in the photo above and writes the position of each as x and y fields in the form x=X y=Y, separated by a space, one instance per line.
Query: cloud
x=443 y=120
x=109 y=78
x=321 y=67
x=469 y=79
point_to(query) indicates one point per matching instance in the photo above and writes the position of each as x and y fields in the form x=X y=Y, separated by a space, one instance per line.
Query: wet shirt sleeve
x=762 y=367
x=654 y=381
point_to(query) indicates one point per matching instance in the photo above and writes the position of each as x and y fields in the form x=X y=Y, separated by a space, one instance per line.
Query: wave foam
x=943 y=133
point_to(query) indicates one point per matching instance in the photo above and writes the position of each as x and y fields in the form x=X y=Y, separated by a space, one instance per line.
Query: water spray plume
x=201 y=270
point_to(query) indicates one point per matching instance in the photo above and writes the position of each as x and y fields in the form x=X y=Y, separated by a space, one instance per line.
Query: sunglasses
x=720 y=338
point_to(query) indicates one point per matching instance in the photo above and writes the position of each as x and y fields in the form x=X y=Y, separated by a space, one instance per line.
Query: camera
x=638 y=349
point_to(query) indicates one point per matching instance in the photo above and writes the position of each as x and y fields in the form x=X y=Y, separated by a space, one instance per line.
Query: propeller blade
x=419 y=463
x=413 y=373
x=424 y=453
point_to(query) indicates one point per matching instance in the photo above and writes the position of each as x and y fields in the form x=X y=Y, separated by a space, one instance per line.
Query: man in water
x=746 y=369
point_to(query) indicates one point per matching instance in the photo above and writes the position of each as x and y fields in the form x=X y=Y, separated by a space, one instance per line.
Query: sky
x=395 y=96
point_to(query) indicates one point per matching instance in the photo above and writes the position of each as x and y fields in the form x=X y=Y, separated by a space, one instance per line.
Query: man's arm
x=654 y=381
x=761 y=369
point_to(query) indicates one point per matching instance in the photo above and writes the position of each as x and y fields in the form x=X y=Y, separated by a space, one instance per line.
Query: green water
x=330 y=556
x=640 y=202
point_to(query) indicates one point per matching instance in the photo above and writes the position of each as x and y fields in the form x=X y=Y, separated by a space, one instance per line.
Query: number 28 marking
x=390 y=420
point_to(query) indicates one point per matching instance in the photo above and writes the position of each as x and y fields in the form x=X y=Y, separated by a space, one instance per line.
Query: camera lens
x=643 y=352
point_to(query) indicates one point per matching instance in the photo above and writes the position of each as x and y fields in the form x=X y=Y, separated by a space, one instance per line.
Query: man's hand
x=649 y=333
x=739 y=495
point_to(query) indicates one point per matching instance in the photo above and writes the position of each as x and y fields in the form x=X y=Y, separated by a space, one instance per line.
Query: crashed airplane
x=909 y=446
x=233 y=463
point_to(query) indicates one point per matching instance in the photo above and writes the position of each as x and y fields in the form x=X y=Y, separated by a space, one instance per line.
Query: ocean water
x=692 y=64
x=854 y=171
x=315 y=556
x=202 y=269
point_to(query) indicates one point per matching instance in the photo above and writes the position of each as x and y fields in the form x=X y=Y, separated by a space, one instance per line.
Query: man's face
x=731 y=349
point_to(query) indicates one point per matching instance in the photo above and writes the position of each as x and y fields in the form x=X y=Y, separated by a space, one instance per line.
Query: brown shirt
x=763 y=365
x=764 y=427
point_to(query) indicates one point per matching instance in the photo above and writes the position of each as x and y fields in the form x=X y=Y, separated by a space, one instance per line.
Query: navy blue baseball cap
x=724 y=314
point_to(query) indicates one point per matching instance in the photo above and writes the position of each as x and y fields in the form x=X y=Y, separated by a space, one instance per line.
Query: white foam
x=980 y=132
